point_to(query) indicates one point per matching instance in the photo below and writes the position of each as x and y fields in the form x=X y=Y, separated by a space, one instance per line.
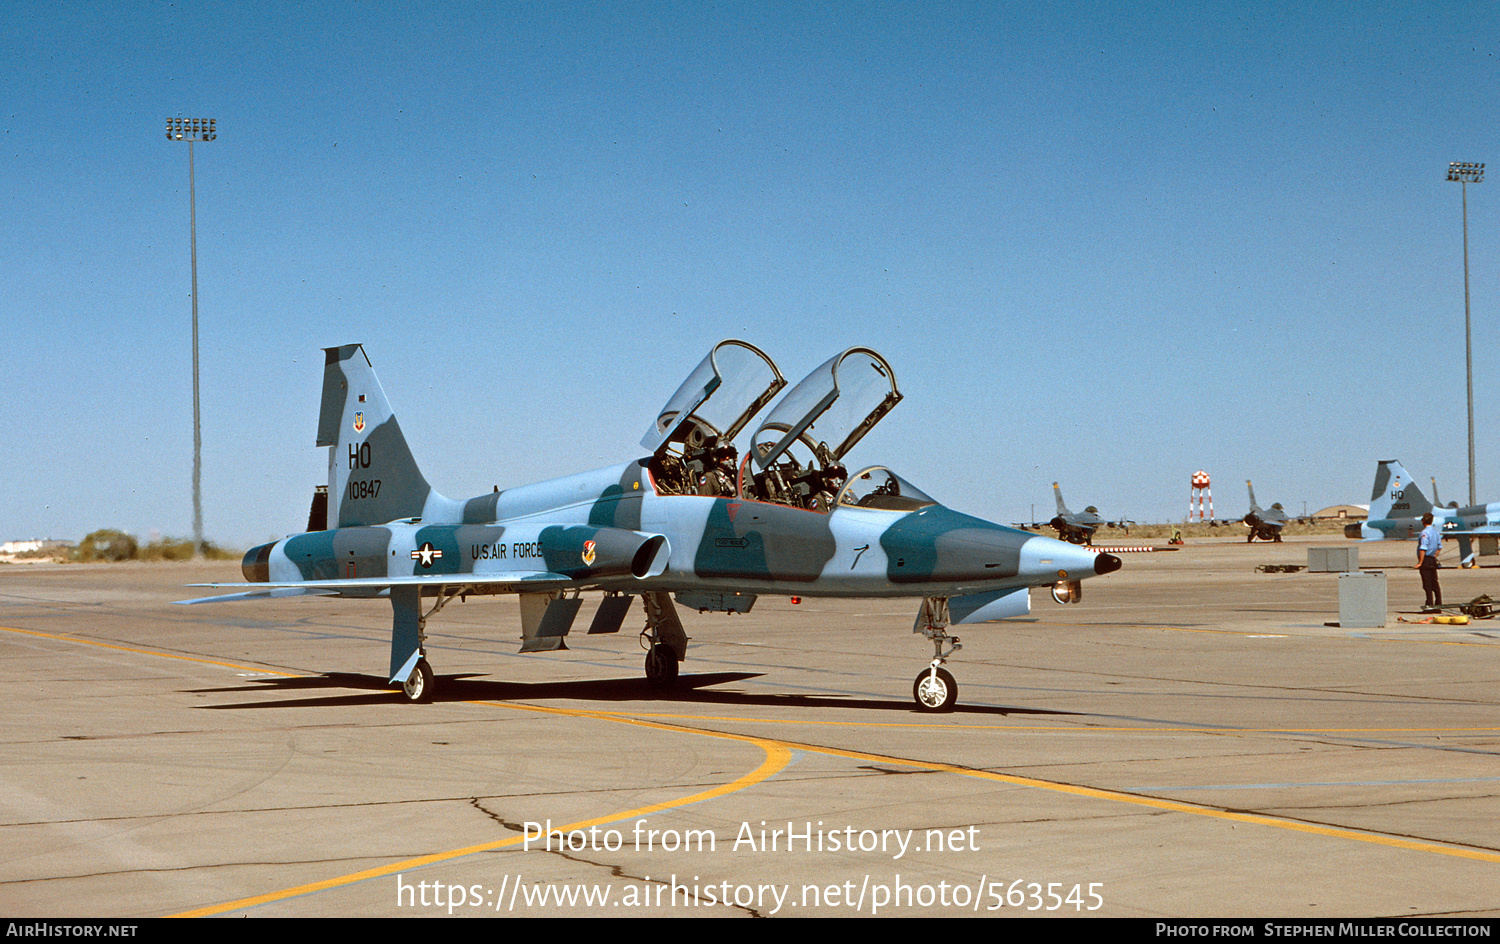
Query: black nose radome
x=1106 y=564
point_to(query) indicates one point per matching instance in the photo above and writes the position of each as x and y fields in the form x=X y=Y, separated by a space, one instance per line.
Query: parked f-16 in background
x=1397 y=506
x=1264 y=523
x=689 y=520
x=1075 y=528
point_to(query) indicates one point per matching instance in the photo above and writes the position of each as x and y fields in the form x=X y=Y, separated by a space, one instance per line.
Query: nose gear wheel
x=935 y=690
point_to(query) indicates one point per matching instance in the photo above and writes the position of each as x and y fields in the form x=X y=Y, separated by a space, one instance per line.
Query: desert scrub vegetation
x=108 y=544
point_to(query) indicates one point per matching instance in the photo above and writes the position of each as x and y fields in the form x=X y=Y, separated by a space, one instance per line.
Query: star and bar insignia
x=426 y=554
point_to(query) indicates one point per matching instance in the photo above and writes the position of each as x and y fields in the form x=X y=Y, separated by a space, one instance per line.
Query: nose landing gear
x=934 y=689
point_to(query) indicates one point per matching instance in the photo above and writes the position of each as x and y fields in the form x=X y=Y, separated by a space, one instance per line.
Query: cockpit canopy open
x=847 y=395
x=736 y=376
x=692 y=439
x=823 y=417
x=796 y=454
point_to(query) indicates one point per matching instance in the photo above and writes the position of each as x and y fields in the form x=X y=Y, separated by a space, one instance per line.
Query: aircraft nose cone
x=1106 y=564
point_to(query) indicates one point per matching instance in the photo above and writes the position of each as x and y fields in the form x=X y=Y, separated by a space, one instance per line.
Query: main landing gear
x=935 y=689
x=664 y=639
x=661 y=666
x=409 y=637
x=418 y=685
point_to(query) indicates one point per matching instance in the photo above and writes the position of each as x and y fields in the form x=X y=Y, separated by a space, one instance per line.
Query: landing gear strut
x=664 y=639
x=409 y=638
x=935 y=689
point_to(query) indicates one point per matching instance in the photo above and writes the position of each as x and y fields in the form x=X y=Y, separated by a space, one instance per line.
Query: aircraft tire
x=935 y=694
x=661 y=666
x=418 y=686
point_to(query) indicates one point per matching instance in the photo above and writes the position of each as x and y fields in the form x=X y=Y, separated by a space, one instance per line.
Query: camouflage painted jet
x=1264 y=524
x=689 y=519
x=1397 y=506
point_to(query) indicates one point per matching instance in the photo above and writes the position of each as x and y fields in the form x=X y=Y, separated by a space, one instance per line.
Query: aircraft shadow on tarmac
x=690 y=689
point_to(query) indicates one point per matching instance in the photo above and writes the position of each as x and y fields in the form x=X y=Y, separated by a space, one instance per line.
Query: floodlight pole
x=190 y=130
x=1466 y=173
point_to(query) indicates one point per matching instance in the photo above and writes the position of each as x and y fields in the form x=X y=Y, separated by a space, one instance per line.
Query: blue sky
x=1104 y=244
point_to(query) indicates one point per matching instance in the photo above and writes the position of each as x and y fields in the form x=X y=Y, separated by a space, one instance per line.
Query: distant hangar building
x=1342 y=513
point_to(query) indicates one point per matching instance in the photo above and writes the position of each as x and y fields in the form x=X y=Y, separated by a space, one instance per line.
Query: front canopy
x=827 y=413
x=879 y=488
x=845 y=397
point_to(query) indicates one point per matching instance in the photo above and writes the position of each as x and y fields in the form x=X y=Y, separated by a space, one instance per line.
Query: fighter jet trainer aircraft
x=1397 y=506
x=690 y=519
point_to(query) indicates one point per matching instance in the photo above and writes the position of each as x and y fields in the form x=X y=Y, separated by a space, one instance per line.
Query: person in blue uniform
x=1428 y=545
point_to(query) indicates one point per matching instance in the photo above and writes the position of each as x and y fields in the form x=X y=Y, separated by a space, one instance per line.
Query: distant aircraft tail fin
x=372 y=476
x=1394 y=494
x=1061 y=508
x=1253 y=506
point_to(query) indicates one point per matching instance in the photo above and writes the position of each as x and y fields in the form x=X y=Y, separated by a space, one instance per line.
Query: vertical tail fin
x=1253 y=506
x=372 y=476
x=1061 y=508
x=1394 y=494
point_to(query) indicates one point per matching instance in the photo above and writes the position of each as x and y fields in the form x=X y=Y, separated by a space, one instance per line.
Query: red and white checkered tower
x=1199 y=495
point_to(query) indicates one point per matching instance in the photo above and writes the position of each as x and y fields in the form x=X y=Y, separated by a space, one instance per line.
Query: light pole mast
x=1467 y=173
x=191 y=130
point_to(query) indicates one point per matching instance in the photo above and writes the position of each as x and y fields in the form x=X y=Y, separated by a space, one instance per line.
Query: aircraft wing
x=263 y=594
x=508 y=582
